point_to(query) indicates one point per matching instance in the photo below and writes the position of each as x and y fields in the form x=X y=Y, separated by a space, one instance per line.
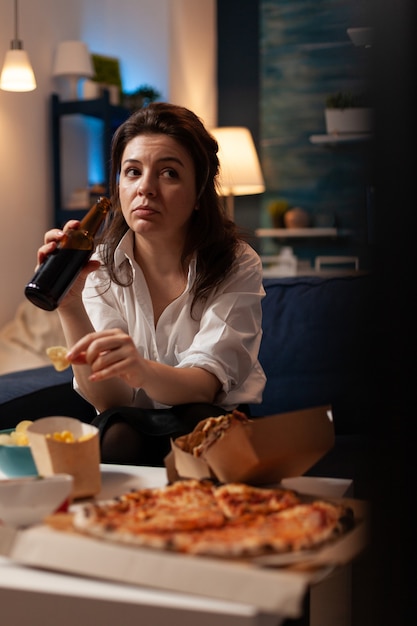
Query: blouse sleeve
x=227 y=343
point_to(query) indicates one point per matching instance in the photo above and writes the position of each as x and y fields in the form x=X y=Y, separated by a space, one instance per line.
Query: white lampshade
x=17 y=73
x=240 y=170
x=73 y=61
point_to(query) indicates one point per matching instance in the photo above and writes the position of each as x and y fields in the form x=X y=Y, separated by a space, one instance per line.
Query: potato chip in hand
x=58 y=356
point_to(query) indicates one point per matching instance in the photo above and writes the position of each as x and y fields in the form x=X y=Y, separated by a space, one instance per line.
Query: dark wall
x=238 y=64
x=393 y=546
x=238 y=84
x=396 y=228
x=241 y=100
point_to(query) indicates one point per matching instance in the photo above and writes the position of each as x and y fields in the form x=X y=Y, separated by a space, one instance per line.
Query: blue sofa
x=316 y=349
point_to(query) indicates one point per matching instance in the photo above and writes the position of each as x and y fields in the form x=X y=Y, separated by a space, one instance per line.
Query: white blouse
x=223 y=335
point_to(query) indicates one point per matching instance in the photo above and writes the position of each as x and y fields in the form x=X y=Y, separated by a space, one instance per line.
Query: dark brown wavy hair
x=210 y=234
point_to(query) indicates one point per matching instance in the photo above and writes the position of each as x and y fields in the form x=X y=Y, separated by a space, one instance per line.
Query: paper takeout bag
x=81 y=459
x=263 y=451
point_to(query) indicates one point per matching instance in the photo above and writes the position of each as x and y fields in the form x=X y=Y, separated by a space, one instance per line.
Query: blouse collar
x=125 y=251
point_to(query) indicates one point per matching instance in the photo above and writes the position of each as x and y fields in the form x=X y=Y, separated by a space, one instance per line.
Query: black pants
x=133 y=436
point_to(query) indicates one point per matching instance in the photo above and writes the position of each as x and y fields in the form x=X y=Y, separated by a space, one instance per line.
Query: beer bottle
x=56 y=274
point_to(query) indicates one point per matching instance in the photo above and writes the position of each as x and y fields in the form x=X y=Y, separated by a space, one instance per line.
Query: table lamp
x=240 y=170
x=73 y=61
x=17 y=73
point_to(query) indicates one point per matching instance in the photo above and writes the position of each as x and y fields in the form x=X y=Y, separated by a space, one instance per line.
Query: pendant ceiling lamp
x=17 y=73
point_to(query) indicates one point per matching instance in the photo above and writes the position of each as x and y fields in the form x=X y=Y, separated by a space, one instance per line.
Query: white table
x=32 y=597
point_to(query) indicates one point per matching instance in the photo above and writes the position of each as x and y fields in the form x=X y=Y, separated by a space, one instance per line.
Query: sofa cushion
x=316 y=347
x=24 y=340
x=38 y=392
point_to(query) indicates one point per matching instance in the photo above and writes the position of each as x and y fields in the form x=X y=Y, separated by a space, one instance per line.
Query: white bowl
x=26 y=501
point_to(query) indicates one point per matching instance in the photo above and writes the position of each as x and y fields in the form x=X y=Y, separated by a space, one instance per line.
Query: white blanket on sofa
x=23 y=340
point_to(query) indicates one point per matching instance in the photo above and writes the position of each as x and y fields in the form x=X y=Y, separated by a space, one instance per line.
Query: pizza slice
x=304 y=526
x=184 y=505
x=238 y=499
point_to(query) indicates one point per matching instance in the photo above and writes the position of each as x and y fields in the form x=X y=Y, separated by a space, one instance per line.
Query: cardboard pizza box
x=81 y=459
x=263 y=451
x=275 y=583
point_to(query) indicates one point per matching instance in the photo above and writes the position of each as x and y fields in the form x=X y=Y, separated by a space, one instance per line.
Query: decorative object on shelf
x=348 y=113
x=82 y=198
x=90 y=89
x=296 y=218
x=240 y=170
x=79 y=199
x=106 y=76
x=283 y=264
x=17 y=73
x=363 y=36
x=276 y=210
x=139 y=98
x=95 y=192
x=73 y=61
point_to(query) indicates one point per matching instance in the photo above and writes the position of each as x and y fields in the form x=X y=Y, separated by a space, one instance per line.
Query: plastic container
x=285 y=263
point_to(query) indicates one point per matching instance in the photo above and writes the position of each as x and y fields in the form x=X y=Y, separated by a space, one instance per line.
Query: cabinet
x=100 y=108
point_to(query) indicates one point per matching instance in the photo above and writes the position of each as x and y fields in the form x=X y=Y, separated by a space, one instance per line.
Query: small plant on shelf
x=348 y=113
x=141 y=97
x=346 y=100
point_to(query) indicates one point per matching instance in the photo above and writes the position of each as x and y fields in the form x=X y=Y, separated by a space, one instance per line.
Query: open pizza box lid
x=263 y=451
x=80 y=459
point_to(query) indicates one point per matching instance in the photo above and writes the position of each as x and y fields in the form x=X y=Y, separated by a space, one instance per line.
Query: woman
x=164 y=323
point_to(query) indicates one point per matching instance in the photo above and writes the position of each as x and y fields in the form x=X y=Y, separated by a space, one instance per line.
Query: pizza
x=208 y=431
x=228 y=520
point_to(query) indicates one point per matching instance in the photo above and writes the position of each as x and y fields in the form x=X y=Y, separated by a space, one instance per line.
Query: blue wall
x=306 y=55
x=278 y=60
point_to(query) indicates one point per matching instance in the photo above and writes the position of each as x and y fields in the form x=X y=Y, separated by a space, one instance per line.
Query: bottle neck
x=94 y=218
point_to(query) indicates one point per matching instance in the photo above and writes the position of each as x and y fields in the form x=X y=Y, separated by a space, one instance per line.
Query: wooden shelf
x=335 y=140
x=287 y=233
x=99 y=108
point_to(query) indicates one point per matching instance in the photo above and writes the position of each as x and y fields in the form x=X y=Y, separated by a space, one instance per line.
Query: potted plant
x=348 y=113
x=139 y=98
x=106 y=76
